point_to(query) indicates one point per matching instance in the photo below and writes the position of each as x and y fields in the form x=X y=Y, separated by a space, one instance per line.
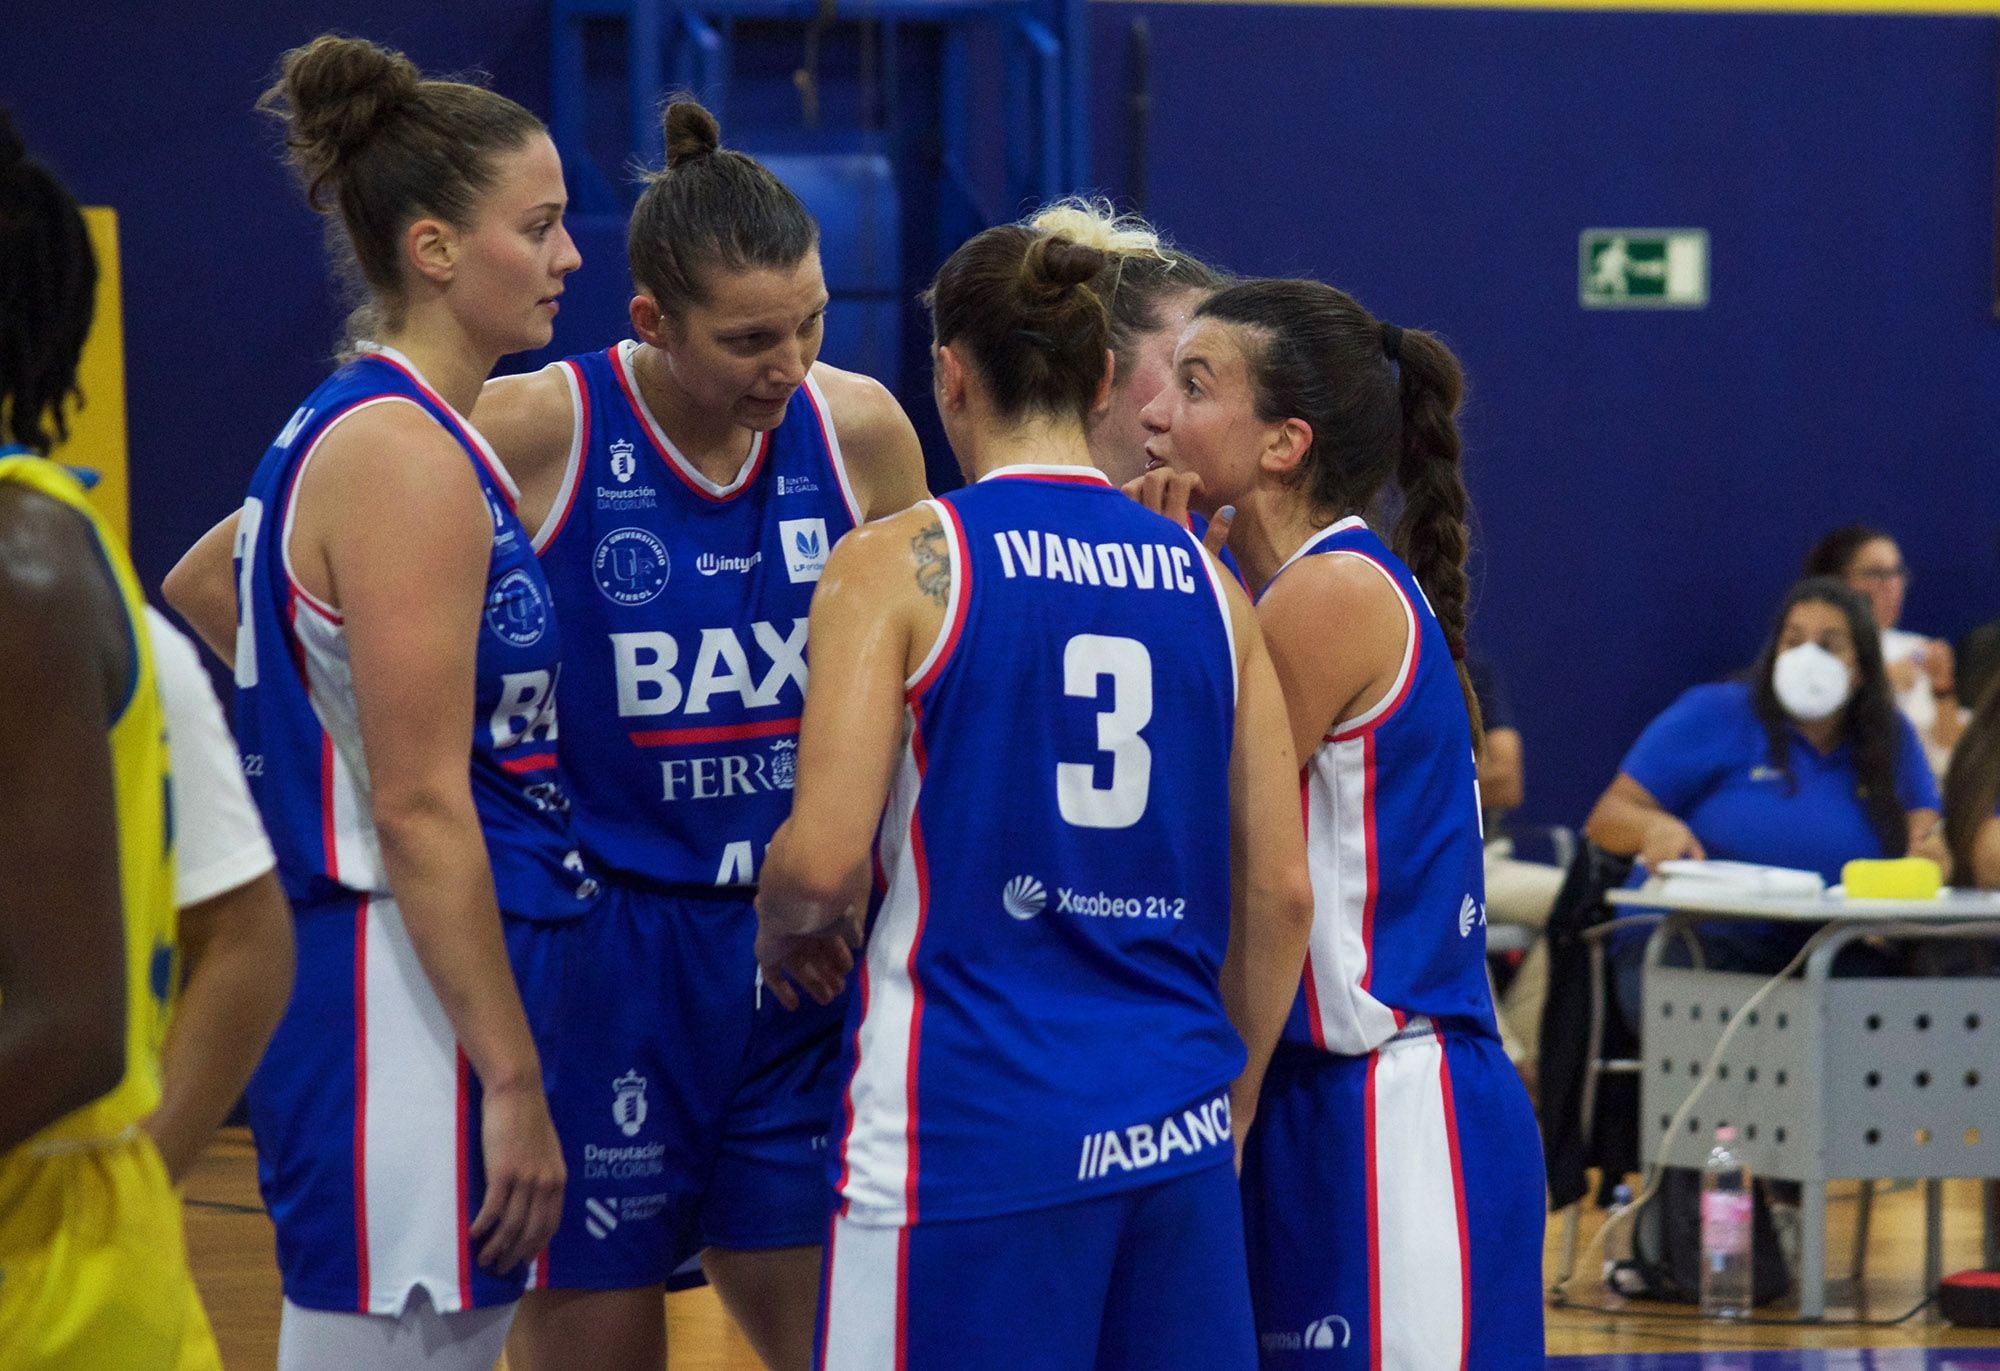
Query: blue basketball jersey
x=295 y=714
x=1393 y=842
x=1038 y=1019
x=685 y=604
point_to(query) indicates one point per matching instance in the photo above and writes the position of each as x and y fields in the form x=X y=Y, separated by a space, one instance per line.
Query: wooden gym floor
x=230 y=1244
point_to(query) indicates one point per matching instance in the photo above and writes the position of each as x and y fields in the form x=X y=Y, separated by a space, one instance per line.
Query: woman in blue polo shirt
x=1803 y=762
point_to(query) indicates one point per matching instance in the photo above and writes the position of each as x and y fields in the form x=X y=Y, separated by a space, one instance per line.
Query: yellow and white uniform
x=93 y=1262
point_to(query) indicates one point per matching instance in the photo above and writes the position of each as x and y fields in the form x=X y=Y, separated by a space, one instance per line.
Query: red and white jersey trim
x=753 y=460
x=1341 y=856
x=956 y=603
x=484 y=449
x=833 y=454
x=411 y=1098
x=878 y=1150
x=1406 y=673
x=1418 y=1249
x=1047 y=471
x=579 y=438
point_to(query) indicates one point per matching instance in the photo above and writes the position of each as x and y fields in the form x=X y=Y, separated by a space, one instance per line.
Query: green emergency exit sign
x=1642 y=268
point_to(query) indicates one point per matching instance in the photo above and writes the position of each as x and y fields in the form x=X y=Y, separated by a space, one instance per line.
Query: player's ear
x=1102 y=402
x=649 y=321
x=948 y=379
x=432 y=247
x=1285 y=446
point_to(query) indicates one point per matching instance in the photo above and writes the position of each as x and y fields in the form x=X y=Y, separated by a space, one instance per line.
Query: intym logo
x=628 y=1106
x=623 y=463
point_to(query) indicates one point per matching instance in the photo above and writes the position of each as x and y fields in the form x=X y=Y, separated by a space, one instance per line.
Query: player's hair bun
x=1053 y=266
x=1096 y=224
x=691 y=132
x=334 y=94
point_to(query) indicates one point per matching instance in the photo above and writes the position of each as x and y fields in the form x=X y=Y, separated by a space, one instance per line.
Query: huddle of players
x=548 y=1045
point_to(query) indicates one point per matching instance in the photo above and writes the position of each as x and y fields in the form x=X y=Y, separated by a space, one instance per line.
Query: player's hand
x=816 y=962
x=1668 y=839
x=1165 y=491
x=524 y=1178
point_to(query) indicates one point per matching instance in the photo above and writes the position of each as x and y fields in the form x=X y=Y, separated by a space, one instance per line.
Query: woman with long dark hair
x=1802 y=762
x=1391 y=1116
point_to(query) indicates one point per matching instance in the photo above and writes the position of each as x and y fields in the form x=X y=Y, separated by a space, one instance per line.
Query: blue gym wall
x=1646 y=482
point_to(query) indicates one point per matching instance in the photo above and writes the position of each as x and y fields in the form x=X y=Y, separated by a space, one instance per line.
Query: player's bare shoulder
x=878 y=444
x=530 y=420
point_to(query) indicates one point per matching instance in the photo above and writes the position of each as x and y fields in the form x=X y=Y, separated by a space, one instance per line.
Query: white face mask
x=1811 y=683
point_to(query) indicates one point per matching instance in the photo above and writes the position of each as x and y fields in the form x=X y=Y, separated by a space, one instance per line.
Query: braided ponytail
x=1431 y=535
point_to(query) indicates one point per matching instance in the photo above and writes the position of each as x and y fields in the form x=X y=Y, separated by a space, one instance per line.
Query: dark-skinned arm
x=62 y=927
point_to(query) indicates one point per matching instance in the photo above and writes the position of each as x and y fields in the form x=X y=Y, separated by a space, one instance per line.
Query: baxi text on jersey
x=1142 y=1145
x=652 y=680
x=1103 y=906
x=1039 y=554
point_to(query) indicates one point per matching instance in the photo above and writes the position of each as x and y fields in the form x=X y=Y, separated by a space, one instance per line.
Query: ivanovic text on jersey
x=1038 y=1019
x=295 y=701
x=684 y=604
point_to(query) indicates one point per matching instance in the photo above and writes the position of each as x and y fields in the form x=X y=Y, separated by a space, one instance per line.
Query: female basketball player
x=1069 y=713
x=1149 y=290
x=396 y=659
x=93 y=1267
x=1393 y=1184
x=713 y=452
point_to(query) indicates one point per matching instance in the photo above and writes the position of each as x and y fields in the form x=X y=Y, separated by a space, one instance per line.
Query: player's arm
x=531 y=425
x=1271 y=917
x=405 y=542
x=884 y=459
x=880 y=590
x=202 y=588
x=62 y=929
x=235 y=926
x=1331 y=676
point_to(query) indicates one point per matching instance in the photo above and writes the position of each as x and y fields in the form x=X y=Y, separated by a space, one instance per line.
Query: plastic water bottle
x=1725 y=1231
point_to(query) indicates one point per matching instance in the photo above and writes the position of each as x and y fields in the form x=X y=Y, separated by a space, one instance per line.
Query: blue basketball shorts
x=367 y=1115
x=1393 y=1209
x=693 y=1108
x=1149 y=1279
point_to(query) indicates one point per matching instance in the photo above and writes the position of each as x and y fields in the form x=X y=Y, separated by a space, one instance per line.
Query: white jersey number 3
x=1081 y=801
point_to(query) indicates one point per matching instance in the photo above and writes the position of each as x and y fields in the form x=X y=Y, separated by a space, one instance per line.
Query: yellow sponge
x=1904 y=878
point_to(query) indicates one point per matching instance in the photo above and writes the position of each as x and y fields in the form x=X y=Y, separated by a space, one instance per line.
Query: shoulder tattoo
x=933 y=557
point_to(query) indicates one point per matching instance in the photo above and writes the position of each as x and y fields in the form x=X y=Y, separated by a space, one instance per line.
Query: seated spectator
x=1972 y=796
x=1517 y=892
x=1804 y=762
x=1920 y=669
